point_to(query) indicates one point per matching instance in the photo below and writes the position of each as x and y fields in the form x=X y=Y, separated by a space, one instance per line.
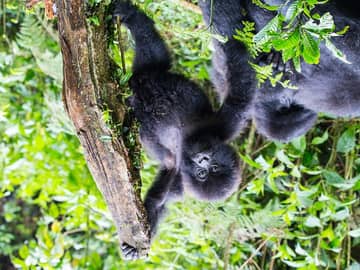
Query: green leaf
x=24 y=252
x=310 y=48
x=288 y=54
x=325 y=25
x=264 y=34
x=296 y=264
x=355 y=233
x=320 y=140
x=341 y=215
x=284 y=158
x=347 y=141
x=287 y=42
x=295 y=172
x=249 y=161
x=336 y=52
x=312 y=222
x=53 y=210
x=19 y=263
x=263 y=163
x=265 y=6
x=333 y=178
x=299 y=143
x=299 y=250
x=297 y=63
x=291 y=12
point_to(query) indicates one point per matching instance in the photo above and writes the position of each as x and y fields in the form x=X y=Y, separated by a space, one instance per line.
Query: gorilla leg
x=167 y=186
x=151 y=52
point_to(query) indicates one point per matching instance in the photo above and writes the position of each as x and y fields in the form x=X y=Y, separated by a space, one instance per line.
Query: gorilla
x=178 y=126
x=331 y=87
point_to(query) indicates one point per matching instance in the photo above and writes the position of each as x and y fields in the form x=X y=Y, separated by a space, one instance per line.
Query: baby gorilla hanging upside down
x=178 y=126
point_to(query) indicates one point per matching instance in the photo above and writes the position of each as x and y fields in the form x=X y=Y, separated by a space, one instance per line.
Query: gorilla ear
x=283 y=123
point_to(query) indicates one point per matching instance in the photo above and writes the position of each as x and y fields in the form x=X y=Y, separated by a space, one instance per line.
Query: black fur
x=178 y=126
x=232 y=76
x=331 y=87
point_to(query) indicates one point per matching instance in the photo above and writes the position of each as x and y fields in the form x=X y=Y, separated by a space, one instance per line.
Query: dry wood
x=49 y=12
x=31 y=3
x=88 y=88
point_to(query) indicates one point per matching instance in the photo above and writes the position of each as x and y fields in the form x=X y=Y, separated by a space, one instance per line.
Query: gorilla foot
x=129 y=252
x=124 y=10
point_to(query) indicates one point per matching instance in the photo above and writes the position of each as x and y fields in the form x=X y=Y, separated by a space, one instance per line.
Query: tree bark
x=88 y=89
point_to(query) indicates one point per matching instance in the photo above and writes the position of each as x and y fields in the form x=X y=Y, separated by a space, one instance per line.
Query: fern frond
x=60 y=122
x=34 y=37
x=31 y=34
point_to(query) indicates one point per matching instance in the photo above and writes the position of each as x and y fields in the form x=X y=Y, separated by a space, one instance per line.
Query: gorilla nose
x=202 y=160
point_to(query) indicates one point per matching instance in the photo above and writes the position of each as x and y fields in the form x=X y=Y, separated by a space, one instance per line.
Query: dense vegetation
x=298 y=206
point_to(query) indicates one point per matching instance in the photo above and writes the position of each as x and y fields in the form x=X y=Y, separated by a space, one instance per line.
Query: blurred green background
x=298 y=207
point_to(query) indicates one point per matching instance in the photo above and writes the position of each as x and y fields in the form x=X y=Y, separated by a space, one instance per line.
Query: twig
x=263 y=257
x=121 y=45
x=255 y=264
x=251 y=138
x=228 y=245
x=88 y=235
x=254 y=253
x=3 y=2
x=349 y=163
x=272 y=262
x=338 y=259
x=348 y=257
x=333 y=148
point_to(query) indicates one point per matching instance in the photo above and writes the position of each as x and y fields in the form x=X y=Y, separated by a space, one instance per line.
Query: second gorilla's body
x=330 y=87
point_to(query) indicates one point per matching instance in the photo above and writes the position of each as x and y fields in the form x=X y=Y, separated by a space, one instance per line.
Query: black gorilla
x=331 y=87
x=178 y=126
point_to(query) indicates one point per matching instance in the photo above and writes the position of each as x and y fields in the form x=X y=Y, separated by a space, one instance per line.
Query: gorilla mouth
x=201 y=174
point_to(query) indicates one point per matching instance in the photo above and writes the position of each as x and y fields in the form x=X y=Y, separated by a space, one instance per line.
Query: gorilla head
x=211 y=173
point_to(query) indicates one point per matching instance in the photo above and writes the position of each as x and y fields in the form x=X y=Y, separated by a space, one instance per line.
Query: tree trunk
x=88 y=89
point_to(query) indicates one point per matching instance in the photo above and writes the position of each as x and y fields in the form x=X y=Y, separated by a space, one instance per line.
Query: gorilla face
x=211 y=174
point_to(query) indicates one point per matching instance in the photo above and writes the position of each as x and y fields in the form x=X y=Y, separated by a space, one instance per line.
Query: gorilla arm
x=232 y=75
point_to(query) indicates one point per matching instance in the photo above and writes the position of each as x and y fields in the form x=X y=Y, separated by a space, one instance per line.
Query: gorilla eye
x=214 y=168
x=202 y=174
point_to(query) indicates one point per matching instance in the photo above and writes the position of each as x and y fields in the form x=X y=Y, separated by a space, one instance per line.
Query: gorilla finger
x=127 y=250
x=135 y=255
x=276 y=61
x=270 y=58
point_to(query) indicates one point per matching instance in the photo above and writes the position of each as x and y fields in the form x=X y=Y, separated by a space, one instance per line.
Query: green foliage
x=264 y=73
x=246 y=36
x=297 y=32
x=37 y=35
x=298 y=205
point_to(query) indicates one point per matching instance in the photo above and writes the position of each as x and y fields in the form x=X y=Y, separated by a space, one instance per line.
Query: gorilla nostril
x=204 y=159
